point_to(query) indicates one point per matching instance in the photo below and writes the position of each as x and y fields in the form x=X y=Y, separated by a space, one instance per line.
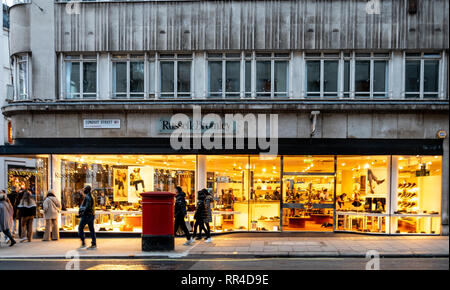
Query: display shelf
x=415 y=215
x=361 y=213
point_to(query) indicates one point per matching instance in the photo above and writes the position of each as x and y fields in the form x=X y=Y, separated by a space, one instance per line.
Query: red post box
x=158 y=221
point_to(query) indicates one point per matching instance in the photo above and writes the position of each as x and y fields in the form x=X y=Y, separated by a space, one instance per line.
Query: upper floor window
x=5 y=16
x=224 y=75
x=21 y=76
x=80 y=76
x=347 y=75
x=422 y=75
x=322 y=74
x=175 y=75
x=128 y=76
x=272 y=74
x=371 y=75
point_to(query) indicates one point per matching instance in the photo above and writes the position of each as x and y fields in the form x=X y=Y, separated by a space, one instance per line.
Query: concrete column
x=445 y=192
x=394 y=194
x=200 y=75
x=200 y=181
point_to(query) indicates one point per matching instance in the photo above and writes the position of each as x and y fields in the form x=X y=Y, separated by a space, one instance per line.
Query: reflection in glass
x=72 y=79
x=233 y=76
x=431 y=75
x=167 y=77
x=362 y=76
x=184 y=77
x=330 y=81
x=313 y=76
x=263 y=77
x=380 y=76
x=215 y=76
x=412 y=76
x=90 y=77
x=120 y=79
x=136 y=77
x=281 y=77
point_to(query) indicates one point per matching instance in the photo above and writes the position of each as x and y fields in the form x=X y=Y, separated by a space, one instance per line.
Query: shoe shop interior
x=367 y=194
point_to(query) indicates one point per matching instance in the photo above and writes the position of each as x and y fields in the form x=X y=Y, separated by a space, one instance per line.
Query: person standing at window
x=52 y=207
x=87 y=215
x=27 y=212
x=6 y=217
x=180 y=214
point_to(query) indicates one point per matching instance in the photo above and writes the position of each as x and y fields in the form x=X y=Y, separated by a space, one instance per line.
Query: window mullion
x=128 y=77
x=422 y=65
x=81 y=79
x=272 y=77
x=321 y=78
x=371 y=77
x=175 y=80
x=224 y=75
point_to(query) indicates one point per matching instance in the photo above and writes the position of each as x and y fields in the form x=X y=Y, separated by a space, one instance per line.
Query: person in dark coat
x=198 y=216
x=207 y=214
x=27 y=211
x=87 y=215
x=180 y=214
x=13 y=197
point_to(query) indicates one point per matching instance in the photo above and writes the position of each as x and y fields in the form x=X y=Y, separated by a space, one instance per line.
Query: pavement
x=239 y=246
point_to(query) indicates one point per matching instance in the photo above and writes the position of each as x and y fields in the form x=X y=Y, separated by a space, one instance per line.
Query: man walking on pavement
x=180 y=213
x=87 y=215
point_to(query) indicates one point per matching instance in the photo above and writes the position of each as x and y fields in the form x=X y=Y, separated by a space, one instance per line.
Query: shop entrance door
x=308 y=201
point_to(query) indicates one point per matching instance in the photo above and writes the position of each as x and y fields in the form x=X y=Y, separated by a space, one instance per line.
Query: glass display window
x=265 y=194
x=308 y=193
x=417 y=198
x=227 y=179
x=117 y=181
x=362 y=193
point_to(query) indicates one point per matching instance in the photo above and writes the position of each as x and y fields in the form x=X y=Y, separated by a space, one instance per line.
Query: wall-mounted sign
x=167 y=126
x=101 y=123
x=441 y=134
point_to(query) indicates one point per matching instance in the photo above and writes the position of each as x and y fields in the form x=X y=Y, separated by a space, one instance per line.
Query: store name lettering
x=211 y=132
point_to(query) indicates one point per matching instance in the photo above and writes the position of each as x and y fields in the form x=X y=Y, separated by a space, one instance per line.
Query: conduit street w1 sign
x=101 y=123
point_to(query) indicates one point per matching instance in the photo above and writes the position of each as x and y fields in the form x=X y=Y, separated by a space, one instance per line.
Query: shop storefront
x=376 y=194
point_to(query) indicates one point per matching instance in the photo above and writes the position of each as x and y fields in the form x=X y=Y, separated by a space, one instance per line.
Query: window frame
x=274 y=57
x=224 y=58
x=82 y=59
x=17 y=60
x=128 y=59
x=175 y=58
x=422 y=58
x=372 y=59
x=322 y=58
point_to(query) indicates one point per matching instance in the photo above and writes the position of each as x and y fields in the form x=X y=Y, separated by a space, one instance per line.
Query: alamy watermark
x=374 y=260
x=74 y=260
x=231 y=132
x=73 y=7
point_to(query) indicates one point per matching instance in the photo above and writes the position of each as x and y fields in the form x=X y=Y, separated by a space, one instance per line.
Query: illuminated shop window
x=362 y=193
x=265 y=194
x=417 y=200
x=117 y=182
x=227 y=180
x=308 y=193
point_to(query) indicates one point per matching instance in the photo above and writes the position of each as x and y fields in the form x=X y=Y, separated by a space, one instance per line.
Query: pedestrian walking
x=180 y=214
x=52 y=208
x=87 y=215
x=207 y=214
x=27 y=212
x=13 y=197
x=6 y=217
x=198 y=216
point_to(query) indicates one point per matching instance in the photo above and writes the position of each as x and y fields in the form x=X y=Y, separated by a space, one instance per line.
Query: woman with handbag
x=27 y=212
x=52 y=208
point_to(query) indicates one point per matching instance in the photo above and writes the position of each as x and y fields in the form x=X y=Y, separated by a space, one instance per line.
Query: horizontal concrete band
x=243 y=106
x=286 y=146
